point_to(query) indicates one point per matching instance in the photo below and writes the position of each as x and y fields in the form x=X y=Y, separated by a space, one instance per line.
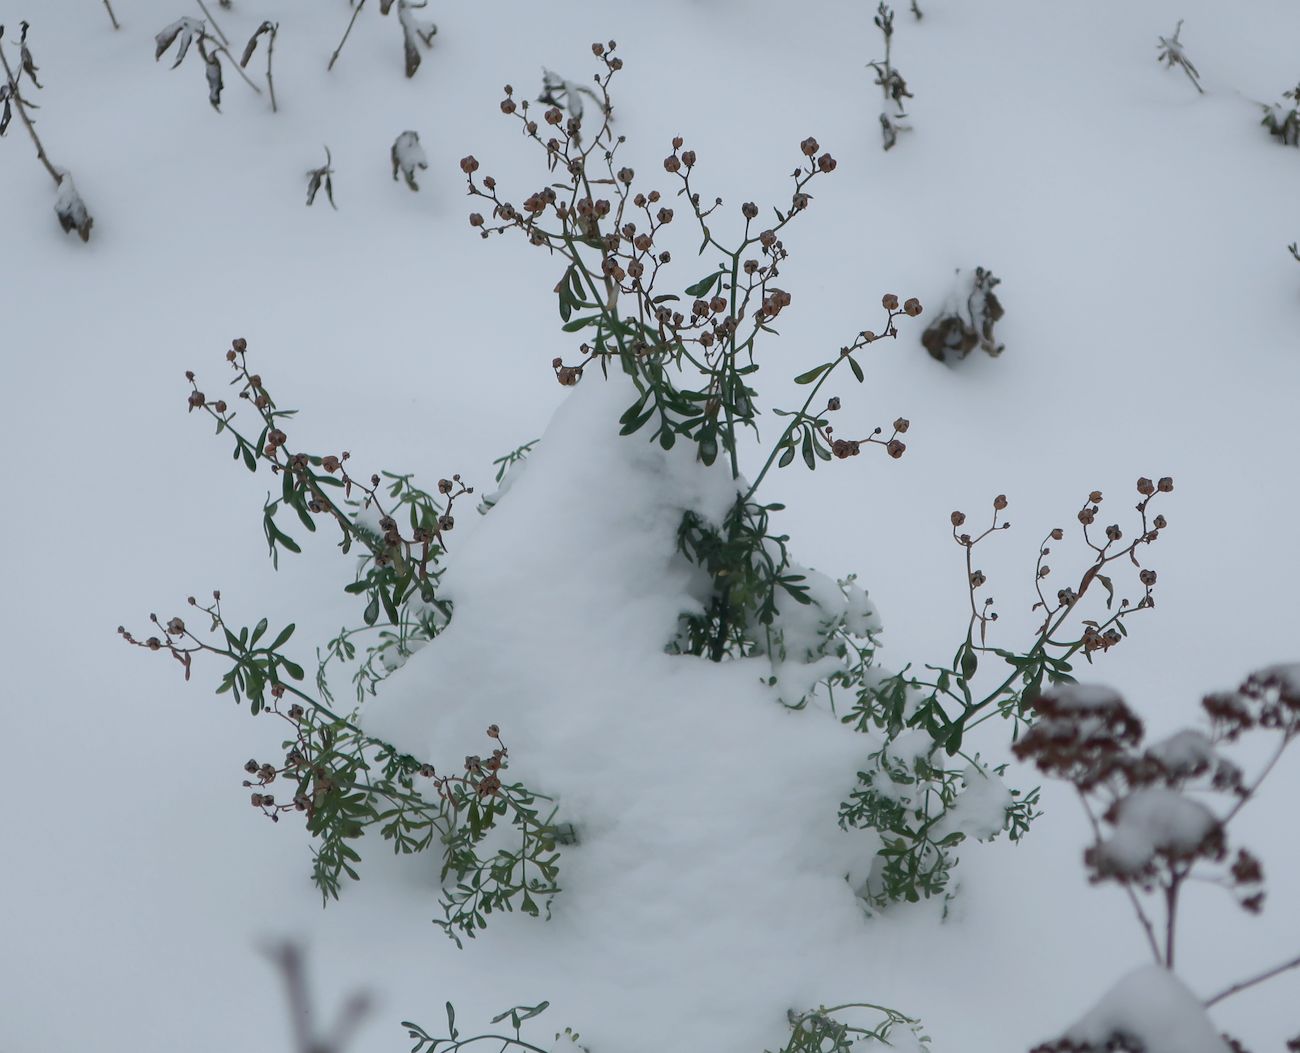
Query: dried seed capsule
x=957 y=518
x=889 y=302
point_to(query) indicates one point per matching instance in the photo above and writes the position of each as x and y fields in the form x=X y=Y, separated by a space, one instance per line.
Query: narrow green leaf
x=812 y=374
x=809 y=458
x=702 y=287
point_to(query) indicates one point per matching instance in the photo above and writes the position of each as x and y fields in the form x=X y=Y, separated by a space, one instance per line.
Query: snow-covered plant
x=692 y=378
x=840 y=1029
x=68 y=205
x=322 y=177
x=187 y=31
x=691 y=373
x=967 y=320
x=837 y=1029
x=1172 y=54
x=890 y=81
x=415 y=31
x=407 y=156
x=1283 y=120
x=924 y=809
x=1160 y=815
x=344 y=780
x=565 y=1042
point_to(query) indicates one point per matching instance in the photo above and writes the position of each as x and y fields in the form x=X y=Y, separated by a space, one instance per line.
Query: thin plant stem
x=109 y=8
x=27 y=121
x=352 y=21
x=270 y=46
x=204 y=7
x=1268 y=974
x=1147 y=927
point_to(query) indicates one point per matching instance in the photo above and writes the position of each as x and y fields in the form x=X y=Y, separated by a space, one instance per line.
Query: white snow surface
x=1140 y=231
x=1150 y=1005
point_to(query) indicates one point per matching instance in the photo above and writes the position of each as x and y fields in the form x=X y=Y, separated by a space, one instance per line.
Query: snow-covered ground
x=1140 y=231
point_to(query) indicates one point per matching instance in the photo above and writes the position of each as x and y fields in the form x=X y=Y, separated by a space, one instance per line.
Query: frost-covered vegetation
x=610 y=468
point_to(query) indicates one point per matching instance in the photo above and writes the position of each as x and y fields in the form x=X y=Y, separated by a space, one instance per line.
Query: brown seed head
x=889 y=302
x=1165 y=485
x=912 y=307
x=469 y=165
x=957 y=518
x=895 y=448
x=809 y=146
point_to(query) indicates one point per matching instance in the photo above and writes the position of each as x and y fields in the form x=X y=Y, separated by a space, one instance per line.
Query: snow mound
x=1151 y=1010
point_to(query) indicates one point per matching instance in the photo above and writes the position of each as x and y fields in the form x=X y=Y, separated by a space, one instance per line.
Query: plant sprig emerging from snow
x=68 y=205
x=346 y=781
x=1172 y=54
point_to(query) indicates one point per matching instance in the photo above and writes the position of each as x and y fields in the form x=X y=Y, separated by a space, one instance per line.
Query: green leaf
x=292 y=668
x=809 y=457
x=969 y=663
x=702 y=287
x=371 y=614
x=857 y=369
x=451 y=1021
x=258 y=632
x=812 y=374
x=580 y=323
x=1110 y=589
x=786 y=457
